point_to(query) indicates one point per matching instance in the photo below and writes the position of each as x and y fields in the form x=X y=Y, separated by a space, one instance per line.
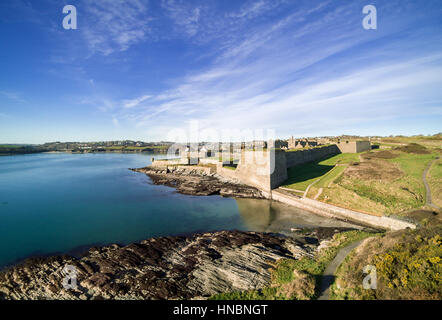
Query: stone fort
x=266 y=169
x=258 y=165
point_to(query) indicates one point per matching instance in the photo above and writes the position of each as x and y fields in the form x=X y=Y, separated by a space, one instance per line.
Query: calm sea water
x=59 y=203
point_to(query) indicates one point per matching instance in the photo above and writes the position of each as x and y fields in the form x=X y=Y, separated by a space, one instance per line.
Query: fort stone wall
x=254 y=169
x=263 y=169
x=341 y=213
x=294 y=158
x=267 y=169
x=278 y=163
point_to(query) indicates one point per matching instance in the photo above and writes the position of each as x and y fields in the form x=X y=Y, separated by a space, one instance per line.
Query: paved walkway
x=428 y=201
x=328 y=277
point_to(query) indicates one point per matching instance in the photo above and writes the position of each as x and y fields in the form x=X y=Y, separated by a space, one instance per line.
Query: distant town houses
x=301 y=143
x=106 y=146
x=198 y=150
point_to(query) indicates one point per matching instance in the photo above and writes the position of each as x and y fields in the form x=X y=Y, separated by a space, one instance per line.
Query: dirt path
x=308 y=187
x=328 y=277
x=318 y=194
x=428 y=201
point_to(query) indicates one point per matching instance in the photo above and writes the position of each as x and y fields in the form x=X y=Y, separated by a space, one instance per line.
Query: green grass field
x=331 y=176
x=374 y=189
x=386 y=182
x=406 y=192
x=300 y=177
x=435 y=181
x=427 y=141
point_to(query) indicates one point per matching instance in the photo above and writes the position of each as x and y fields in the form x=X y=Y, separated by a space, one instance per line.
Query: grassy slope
x=330 y=176
x=427 y=141
x=383 y=196
x=434 y=179
x=2 y=146
x=10 y=149
x=373 y=196
x=300 y=177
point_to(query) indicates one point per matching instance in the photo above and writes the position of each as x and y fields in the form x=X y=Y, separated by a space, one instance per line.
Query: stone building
x=301 y=143
x=353 y=146
x=280 y=144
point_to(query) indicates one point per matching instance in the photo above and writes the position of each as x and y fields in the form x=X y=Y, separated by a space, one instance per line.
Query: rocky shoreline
x=194 y=266
x=194 y=182
x=182 y=267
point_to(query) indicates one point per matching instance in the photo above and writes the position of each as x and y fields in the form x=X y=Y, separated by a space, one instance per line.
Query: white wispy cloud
x=21 y=10
x=102 y=103
x=135 y=102
x=201 y=22
x=311 y=69
x=185 y=15
x=251 y=9
x=11 y=95
x=114 y=25
x=298 y=76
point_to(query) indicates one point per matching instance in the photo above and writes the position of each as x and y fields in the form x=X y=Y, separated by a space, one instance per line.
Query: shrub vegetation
x=408 y=266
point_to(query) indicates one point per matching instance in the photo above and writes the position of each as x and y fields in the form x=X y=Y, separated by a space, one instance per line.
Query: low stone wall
x=228 y=174
x=294 y=158
x=165 y=163
x=341 y=213
x=209 y=161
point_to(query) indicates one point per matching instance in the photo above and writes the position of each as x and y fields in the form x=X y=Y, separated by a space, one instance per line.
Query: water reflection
x=272 y=216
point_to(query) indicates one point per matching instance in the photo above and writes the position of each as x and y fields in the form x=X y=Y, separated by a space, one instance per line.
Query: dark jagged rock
x=195 y=266
x=193 y=182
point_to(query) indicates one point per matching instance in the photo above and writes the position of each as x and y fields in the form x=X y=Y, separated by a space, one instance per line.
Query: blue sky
x=140 y=69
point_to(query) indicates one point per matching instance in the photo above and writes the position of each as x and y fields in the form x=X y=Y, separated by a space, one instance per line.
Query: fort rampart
x=297 y=157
